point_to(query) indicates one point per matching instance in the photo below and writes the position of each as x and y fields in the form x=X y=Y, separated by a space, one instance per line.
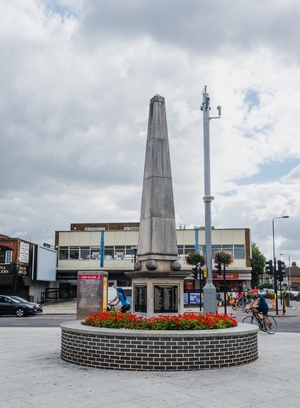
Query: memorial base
x=155 y=293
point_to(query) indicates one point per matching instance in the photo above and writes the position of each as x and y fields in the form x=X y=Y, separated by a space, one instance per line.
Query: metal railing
x=57 y=294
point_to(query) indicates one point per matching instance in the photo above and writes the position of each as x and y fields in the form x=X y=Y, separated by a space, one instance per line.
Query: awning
x=25 y=280
x=7 y=280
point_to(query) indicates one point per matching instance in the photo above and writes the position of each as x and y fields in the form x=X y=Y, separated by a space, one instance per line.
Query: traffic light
x=269 y=267
x=218 y=266
x=195 y=272
x=281 y=271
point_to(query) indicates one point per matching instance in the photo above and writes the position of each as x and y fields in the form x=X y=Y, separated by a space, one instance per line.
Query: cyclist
x=260 y=305
x=121 y=298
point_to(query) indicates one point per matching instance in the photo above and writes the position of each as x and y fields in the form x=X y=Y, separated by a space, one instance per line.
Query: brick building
x=16 y=258
x=25 y=268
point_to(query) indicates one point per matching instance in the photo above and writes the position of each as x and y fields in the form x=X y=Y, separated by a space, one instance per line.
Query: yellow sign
x=105 y=293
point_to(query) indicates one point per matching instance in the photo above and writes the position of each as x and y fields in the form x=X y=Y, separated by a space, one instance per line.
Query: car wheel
x=20 y=312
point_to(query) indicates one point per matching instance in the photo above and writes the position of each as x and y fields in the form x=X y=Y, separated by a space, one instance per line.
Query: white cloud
x=76 y=80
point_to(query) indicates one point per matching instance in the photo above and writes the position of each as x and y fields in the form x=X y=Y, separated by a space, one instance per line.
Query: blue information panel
x=194 y=298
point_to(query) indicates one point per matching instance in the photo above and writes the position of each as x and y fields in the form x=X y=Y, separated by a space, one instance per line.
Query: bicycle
x=258 y=321
x=239 y=303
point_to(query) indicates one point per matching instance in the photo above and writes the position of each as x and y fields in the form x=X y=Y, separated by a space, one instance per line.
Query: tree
x=258 y=263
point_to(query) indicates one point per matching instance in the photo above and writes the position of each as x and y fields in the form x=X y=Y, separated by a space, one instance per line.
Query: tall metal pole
x=225 y=289
x=209 y=289
x=274 y=266
x=274 y=258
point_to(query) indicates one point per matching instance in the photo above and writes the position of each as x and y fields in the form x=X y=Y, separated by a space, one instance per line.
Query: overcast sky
x=76 y=80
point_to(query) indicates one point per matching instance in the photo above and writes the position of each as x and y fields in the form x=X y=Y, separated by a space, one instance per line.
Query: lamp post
x=274 y=257
x=209 y=289
x=289 y=277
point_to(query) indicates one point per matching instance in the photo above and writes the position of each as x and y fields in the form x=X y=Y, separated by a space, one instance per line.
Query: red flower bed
x=185 y=321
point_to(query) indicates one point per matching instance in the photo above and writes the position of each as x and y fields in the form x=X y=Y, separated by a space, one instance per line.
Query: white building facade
x=112 y=247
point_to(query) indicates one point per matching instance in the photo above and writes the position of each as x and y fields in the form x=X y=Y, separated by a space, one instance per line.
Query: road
x=38 y=320
x=288 y=323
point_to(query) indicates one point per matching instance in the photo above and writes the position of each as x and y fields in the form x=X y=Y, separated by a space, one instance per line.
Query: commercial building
x=25 y=268
x=112 y=247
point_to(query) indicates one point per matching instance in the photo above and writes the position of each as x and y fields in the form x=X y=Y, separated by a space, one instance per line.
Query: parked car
x=295 y=296
x=39 y=307
x=9 y=306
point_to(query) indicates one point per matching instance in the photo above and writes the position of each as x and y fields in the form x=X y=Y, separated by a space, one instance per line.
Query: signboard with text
x=24 y=252
x=92 y=291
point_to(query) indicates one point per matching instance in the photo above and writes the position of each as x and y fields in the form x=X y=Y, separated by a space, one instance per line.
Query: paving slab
x=33 y=375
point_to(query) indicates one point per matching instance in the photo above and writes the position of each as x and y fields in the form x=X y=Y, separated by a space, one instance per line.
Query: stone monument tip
x=157 y=98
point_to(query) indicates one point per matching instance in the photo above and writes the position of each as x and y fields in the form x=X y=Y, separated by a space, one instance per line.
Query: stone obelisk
x=157 y=247
x=157 y=281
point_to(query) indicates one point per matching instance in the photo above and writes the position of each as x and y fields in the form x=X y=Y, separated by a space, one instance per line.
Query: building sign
x=66 y=276
x=3 y=269
x=229 y=276
x=24 y=252
x=22 y=270
x=89 y=277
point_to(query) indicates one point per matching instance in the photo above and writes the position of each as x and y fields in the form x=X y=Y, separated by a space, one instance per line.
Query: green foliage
x=258 y=263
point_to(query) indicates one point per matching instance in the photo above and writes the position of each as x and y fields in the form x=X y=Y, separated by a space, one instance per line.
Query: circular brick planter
x=158 y=350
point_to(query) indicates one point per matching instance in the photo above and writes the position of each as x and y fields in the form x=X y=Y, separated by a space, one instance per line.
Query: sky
x=76 y=79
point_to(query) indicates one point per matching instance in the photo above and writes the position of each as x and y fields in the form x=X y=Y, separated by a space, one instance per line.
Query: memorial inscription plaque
x=140 y=304
x=165 y=299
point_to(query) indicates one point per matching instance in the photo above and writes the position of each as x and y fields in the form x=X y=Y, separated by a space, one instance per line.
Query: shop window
x=239 y=252
x=63 y=253
x=74 y=252
x=84 y=252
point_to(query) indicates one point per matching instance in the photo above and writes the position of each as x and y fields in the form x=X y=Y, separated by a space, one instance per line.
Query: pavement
x=33 y=375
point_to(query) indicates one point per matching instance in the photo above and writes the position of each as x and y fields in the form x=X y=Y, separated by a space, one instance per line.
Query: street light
x=209 y=289
x=289 y=278
x=274 y=257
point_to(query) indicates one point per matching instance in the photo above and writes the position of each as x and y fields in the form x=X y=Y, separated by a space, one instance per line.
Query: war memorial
x=157 y=287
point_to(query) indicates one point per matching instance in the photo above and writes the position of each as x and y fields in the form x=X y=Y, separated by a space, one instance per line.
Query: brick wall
x=140 y=351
